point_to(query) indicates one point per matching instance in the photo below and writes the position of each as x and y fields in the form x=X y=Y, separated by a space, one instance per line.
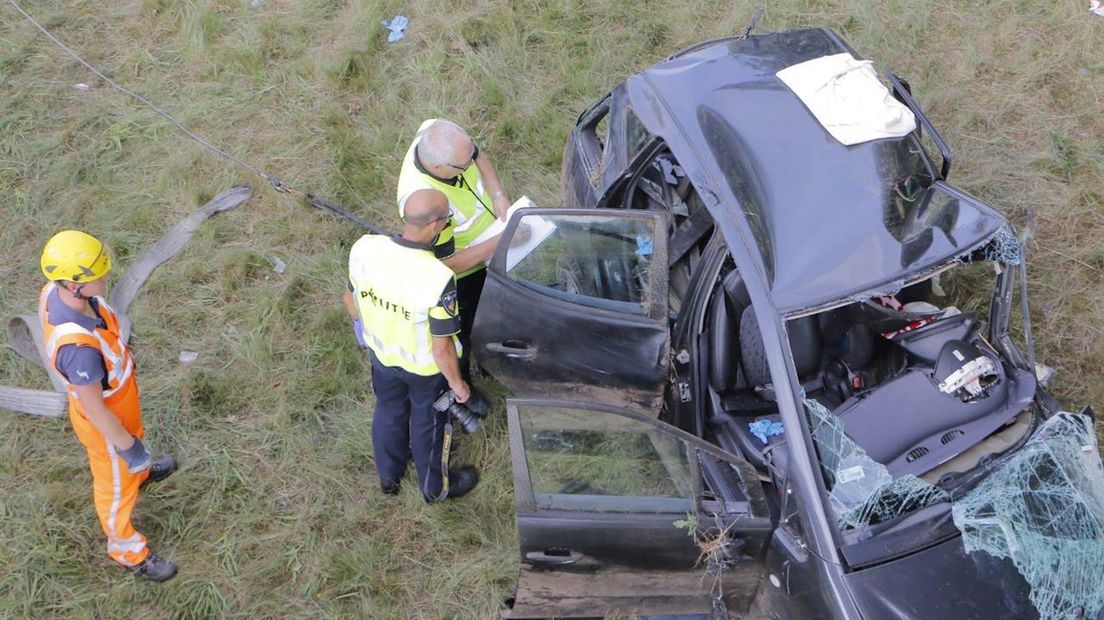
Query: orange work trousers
x=114 y=491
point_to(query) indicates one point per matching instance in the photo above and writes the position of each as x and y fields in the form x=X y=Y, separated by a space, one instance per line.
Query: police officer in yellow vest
x=444 y=162
x=406 y=303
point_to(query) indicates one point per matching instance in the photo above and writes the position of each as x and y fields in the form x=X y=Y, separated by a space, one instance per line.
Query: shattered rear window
x=1044 y=509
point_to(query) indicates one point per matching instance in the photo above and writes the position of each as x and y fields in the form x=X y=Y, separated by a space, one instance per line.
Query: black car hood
x=829 y=221
x=942 y=582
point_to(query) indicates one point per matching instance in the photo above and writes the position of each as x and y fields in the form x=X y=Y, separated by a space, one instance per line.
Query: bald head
x=444 y=143
x=424 y=207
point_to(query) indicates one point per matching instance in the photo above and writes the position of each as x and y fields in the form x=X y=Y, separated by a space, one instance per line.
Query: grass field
x=276 y=512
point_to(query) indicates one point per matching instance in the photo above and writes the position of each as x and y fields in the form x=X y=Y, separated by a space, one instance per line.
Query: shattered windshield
x=1043 y=507
x=861 y=490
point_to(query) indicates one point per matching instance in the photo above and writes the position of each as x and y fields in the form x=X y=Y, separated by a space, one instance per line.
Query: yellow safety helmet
x=75 y=256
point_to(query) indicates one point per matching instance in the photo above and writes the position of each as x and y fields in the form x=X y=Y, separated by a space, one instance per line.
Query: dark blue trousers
x=405 y=424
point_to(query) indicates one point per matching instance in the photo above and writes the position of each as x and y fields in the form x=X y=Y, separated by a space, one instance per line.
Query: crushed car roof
x=829 y=221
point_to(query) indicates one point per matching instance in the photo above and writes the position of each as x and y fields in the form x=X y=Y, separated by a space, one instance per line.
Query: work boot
x=154 y=568
x=461 y=481
x=160 y=469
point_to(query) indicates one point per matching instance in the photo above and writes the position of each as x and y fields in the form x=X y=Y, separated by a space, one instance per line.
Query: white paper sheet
x=539 y=229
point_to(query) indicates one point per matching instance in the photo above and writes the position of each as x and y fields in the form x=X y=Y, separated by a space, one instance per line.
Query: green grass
x=275 y=512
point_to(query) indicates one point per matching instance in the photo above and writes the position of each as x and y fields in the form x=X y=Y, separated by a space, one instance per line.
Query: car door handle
x=513 y=348
x=560 y=557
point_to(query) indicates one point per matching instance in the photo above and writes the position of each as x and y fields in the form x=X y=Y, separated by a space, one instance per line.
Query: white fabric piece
x=848 y=99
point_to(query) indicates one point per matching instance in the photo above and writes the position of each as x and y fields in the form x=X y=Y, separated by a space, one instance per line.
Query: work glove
x=358 y=329
x=137 y=458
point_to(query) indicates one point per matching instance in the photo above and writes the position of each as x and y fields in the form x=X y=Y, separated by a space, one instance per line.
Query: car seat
x=805 y=346
x=753 y=403
x=726 y=309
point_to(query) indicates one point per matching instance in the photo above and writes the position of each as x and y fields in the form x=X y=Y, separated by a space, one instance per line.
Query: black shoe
x=390 y=488
x=154 y=568
x=461 y=481
x=160 y=469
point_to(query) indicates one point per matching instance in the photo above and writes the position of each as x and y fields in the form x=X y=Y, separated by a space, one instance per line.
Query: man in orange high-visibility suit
x=82 y=339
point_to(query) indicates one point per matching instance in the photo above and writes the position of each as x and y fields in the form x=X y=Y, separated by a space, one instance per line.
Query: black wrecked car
x=767 y=369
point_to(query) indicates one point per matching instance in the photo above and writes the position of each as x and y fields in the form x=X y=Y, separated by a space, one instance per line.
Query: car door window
x=587 y=460
x=602 y=261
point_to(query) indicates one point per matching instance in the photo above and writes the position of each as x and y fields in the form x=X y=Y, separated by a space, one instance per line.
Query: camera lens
x=469 y=421
x=469 y=415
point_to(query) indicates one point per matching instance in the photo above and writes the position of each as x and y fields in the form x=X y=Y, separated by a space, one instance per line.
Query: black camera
x=469 y=414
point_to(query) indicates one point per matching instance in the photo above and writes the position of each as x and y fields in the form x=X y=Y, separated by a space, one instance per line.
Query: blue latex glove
x=764 y=429
x=358 y=330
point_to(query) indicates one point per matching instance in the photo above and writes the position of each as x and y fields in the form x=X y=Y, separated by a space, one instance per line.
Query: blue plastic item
x=396 y=27
x=764 y=429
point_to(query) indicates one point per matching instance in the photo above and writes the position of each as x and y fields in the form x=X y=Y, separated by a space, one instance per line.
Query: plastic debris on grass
x=861 y=490
x=1096 y=7
x=1044 y=373
x=188 y=357
x=396 y=27
x=1044 y=509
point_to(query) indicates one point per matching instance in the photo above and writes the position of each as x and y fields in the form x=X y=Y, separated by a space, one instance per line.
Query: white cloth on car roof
x=845 y=95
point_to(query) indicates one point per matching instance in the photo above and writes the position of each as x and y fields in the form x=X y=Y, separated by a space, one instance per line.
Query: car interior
x=916 y=385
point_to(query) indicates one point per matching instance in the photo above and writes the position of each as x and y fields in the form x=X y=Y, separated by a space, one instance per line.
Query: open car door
x=575 y=306
x=618 y=513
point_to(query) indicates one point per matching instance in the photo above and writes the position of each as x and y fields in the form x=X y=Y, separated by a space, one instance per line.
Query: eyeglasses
x=447 y=219
x=465 y=166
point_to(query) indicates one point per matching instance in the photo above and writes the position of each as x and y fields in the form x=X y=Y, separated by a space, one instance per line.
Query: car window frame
x=657 y=280
x=589 y=146
x=525 y=498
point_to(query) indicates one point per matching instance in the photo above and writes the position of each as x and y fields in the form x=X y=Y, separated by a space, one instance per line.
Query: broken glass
x=1044 y=509
x=860 y=489
x=1003 y=247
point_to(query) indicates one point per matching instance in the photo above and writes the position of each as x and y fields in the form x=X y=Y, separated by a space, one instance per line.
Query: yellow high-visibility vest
x=397 y=290
x=469 y=202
